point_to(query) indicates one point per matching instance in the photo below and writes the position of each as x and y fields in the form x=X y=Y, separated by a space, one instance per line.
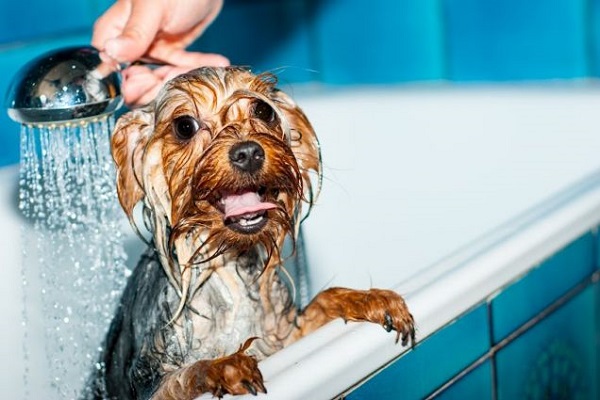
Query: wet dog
x=221 y=164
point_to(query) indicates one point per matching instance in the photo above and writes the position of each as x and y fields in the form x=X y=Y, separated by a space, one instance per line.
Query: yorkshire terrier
x=221 y=164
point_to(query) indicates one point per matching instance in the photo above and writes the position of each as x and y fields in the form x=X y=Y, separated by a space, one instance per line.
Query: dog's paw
x=384 y=307
x=388 y=309
x=234 y=374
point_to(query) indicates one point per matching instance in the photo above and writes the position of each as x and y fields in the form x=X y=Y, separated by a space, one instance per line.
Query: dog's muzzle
x=245 y=211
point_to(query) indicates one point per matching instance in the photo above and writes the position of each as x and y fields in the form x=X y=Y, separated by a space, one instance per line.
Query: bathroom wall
x=342 y=42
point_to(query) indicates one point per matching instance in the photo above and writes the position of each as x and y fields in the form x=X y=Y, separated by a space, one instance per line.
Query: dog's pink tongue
x=244 y=203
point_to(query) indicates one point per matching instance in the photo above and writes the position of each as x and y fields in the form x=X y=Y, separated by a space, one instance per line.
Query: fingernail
x=111 y=48
x=117 y=49
x=109 y=61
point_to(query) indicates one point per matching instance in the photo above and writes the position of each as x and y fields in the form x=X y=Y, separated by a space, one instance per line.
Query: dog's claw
x=411 y=335
x=250 y=387
x=408 y=333
x=388 y=324
x=235 y=374
x=394 y=315
x=261 y=386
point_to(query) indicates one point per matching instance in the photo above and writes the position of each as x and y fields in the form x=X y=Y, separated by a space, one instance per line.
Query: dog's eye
x=185 y=127
x=264 y=112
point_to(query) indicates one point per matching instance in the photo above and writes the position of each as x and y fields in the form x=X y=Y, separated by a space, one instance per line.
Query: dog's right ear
x=131 y=134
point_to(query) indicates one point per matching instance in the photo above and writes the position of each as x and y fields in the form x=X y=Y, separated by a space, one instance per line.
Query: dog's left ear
x=304 y=144
x=130 y=137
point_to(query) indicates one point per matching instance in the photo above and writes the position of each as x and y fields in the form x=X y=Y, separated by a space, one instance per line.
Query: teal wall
x=344 y=42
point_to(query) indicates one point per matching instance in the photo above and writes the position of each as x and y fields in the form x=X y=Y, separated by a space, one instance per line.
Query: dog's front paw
x=235 y=374
x=384 y=307
x=388 y=309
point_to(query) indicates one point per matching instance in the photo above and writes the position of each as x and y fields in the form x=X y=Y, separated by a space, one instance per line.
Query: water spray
x=73 y=256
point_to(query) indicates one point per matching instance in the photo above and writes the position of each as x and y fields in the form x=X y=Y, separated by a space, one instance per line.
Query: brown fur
x=178 y=182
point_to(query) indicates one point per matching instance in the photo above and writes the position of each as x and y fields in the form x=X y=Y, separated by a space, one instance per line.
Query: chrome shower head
x=64 y=86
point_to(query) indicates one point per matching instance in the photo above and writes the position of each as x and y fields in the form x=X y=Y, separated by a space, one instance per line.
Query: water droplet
x=72 y=246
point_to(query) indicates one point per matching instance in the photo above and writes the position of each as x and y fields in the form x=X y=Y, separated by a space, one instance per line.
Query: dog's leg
x=383 y=307
x=234 y=374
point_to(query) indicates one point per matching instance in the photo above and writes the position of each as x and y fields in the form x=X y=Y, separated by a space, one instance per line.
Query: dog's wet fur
x=221 y=164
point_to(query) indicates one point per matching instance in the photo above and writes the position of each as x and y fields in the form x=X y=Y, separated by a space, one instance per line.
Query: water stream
x=73 y=256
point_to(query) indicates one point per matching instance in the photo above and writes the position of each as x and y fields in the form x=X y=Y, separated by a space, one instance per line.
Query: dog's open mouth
x=245 y=211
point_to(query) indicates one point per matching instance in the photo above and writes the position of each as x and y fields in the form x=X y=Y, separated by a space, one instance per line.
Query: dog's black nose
x=247 y=156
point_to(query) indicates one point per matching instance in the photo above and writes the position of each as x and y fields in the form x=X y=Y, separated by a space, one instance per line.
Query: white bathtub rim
x=335 y=358
x=499 y=236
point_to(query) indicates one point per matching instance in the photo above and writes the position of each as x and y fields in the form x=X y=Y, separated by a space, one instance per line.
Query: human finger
x=110 y=24
x=137 y=81
x=141 y=84
x=191 y=59
x=138 y=33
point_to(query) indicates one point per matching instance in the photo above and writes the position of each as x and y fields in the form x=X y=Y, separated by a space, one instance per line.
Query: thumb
x=139 y=32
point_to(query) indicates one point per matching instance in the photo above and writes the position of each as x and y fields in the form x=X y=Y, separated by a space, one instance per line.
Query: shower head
x=63 y=86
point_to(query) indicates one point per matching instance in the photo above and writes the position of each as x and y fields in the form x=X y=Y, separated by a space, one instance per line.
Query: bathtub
x=478 y=204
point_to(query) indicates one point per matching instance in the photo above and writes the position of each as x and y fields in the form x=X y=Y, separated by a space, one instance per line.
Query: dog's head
x=222 y=161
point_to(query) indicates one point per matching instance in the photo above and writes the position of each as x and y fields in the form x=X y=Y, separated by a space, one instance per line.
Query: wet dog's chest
x=229 y=311
x=226 y=311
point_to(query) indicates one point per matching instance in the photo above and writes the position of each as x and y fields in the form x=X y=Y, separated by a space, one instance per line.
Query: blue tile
x=594 y=32
x=268 y=36
x=98 y=7
x=477 y=384
x=11 y=60
x=597 y=249
x=539 y=288
x=556 y=359
x=38 y=19
x=516 y=40
x=433 y=362
x=385 y=41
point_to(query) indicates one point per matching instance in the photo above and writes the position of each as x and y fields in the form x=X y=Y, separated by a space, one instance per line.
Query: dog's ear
x=304 y=144
x=130 y=137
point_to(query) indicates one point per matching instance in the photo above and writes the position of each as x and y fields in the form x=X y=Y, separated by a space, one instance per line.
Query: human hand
x=157 y=29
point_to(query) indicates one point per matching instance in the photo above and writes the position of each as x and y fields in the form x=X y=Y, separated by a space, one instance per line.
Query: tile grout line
x=494 y=370
x=590 y=280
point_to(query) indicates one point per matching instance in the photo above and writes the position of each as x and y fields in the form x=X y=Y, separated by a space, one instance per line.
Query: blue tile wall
x=27 y=20
x=593 y=21
x=597 y=247
x=350 y=42
x=556 y=359
x=414 y=375
x=553 y=278
x=503 y=40
x=477 y=384
x=382 y=42
x=265 y=35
